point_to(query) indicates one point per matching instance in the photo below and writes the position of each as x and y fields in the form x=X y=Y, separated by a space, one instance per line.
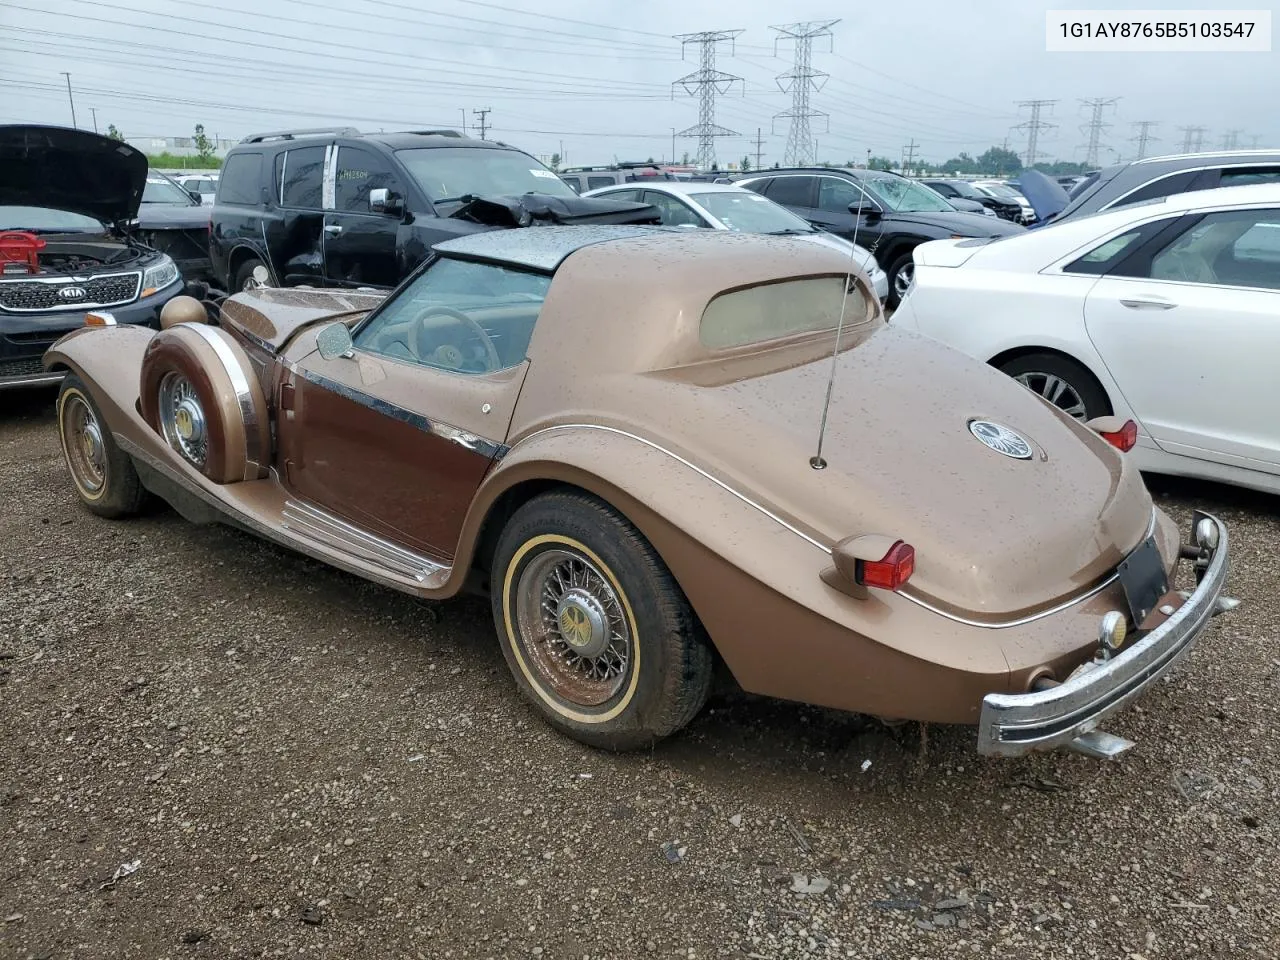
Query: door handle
x=1147 y=303
x=333 y=229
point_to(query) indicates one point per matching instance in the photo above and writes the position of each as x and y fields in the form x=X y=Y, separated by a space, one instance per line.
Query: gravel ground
x=301 y=764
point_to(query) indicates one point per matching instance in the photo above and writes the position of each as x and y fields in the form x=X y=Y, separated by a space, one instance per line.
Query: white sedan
x=1166 y=313
x=722 y=206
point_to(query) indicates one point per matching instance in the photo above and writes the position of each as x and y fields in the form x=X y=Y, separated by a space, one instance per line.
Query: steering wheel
x=450 y=354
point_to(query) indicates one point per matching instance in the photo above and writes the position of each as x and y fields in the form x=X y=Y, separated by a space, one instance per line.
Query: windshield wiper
x=788 y=232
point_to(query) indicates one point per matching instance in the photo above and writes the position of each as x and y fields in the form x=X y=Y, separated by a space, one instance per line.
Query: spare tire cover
x=228 y=413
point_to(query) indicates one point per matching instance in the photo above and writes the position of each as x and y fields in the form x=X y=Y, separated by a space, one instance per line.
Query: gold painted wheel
x=103 y=475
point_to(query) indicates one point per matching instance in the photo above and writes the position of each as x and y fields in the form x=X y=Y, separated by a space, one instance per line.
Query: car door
x=359 y=243
x=835 y=197
x=298 y=243
x=396 y=437
x=1189 y=327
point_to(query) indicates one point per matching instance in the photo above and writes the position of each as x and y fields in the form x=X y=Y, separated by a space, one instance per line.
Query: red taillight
x=1124 y=438
x=891 y=571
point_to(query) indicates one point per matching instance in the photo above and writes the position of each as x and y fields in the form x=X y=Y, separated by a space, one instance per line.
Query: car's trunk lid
x=994 y=535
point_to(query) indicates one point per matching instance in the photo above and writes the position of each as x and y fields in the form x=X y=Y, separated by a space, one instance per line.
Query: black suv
x=342 y=208
x=1009 y=210
x=886 y=213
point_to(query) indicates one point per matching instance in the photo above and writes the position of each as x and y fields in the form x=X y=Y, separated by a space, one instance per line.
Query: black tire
x=244 y=274
x=102 y=473
x=667 y=672
x=1044 y=373
x=903 y=262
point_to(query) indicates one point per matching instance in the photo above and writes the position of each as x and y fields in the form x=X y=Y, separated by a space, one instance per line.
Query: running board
x=335 y=534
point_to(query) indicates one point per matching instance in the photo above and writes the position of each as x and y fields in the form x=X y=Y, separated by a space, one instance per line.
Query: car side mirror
x=868 y=210
x=334 y=341
x=195 y=195
x=382 y=200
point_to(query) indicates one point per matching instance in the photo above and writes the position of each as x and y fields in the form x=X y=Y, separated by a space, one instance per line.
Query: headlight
x=159 y=276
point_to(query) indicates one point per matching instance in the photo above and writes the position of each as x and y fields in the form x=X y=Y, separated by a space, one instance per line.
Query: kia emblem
x=72 y=293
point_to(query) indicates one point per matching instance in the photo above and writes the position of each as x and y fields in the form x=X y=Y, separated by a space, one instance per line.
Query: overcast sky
x=593 y=79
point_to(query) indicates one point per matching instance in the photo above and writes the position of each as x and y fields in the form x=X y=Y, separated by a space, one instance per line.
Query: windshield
x=164 y=191
x=966 y=189
x=1000 y=190
x=905 y=196
x=748 y=212
x=446 y=173
x=43 y=220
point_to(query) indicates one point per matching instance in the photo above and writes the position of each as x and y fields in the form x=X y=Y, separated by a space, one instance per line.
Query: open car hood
x=1046 y=196
x=540 y=209
x=64 y=169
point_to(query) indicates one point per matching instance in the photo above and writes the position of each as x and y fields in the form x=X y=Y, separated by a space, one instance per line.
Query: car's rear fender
x=755 y=582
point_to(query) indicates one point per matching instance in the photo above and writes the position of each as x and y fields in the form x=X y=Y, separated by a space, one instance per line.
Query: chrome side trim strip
x=244 y=397
x=481 y=445
x=34 y=380
x=991 y=625
x=310 y=521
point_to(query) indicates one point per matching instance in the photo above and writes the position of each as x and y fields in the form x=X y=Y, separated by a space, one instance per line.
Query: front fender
x=109 y=361
x=755 y=584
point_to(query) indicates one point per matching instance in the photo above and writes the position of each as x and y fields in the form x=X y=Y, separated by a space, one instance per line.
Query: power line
x=1034 y=127
x=1093 y=129
x=799 y=81
x=1193 y=139
x=706 y=83
x=1144 y=136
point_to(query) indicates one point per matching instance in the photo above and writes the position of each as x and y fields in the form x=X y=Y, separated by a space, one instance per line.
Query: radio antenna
x=816 y=460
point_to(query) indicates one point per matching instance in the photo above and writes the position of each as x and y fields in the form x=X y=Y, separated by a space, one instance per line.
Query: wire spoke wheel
x=1056 y=390
x=182 y=418
x=86 y=453
x=572 y=628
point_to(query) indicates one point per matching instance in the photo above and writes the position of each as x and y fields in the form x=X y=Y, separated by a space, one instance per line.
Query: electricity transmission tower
x=1231 y=139
x=1093 y=129
x=1034 y=127
x=705 y=83
x=799 y=81
x=482 y=114
x=1144 y=136
x=1192 y=139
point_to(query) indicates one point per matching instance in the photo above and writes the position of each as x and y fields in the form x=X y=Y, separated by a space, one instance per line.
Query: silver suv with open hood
x=67 y=198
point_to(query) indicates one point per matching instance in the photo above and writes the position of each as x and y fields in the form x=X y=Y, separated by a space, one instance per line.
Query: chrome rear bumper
x=1013 y=725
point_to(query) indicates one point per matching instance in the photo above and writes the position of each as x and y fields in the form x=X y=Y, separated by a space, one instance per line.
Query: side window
x=632 y=195
x=756 y=186
x=836 y=195
x=791 y=191
x=674 y=212
x=594 y=183
x=1164 y=187
x=459 y=316
x=241 y=180
x=575 y=182
x=299 y=177
x=1110 y=254
x=360 y=171
x=1236 y=248
x=1242 y=176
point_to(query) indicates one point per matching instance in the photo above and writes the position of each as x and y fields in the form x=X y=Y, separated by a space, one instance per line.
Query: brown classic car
x=612 y=430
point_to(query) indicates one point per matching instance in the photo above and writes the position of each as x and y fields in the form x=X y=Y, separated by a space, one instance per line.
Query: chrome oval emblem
x=1001 y=439
x=72 y=293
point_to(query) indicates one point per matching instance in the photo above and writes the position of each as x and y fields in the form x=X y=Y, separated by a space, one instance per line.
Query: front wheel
x=244 y=278
x=103 y=474
x=593 y=626
x=901 y=272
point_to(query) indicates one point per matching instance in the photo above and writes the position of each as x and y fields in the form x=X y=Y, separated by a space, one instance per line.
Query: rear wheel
x=1063 y=382
x=103 y=474
x=595 y=629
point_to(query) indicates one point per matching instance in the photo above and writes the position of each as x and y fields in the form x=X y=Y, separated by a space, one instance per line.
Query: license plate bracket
x=1143 y=577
